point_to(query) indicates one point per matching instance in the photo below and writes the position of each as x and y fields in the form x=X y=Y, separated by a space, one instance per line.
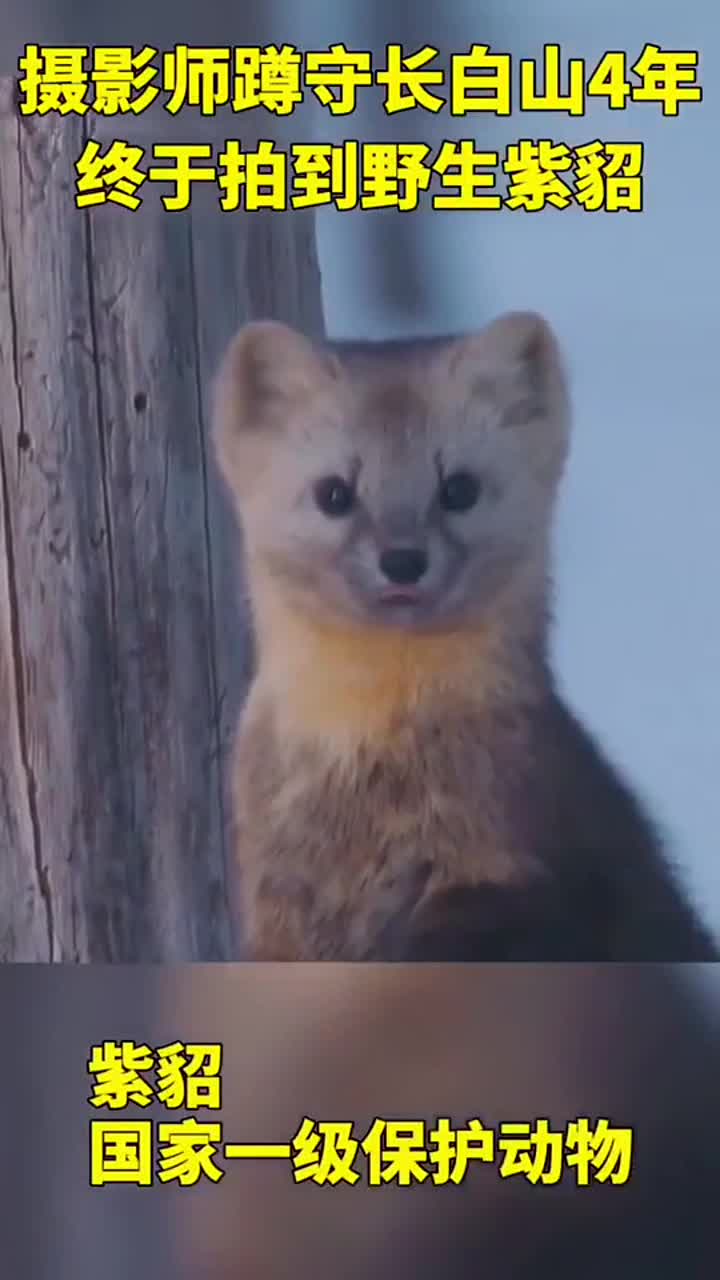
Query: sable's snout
x=404 y=566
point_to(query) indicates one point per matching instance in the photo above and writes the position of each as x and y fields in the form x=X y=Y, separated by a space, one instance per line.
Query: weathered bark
x=123 y=647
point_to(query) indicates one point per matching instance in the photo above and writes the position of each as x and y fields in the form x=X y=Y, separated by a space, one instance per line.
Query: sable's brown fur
x=344 y=849
x=386 y=759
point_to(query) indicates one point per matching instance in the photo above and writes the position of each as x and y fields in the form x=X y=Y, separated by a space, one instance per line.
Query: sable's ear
x=516 y=363
x=266 y=367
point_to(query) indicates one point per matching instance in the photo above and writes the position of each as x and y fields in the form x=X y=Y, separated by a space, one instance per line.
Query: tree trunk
x=124 y=649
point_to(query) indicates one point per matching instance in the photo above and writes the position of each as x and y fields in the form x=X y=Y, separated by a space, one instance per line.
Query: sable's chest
x=432 y=798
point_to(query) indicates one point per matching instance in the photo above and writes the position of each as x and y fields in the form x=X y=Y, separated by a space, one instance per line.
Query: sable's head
x=404 y=486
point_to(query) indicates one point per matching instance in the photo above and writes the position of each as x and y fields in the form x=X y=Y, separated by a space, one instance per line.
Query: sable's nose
x=404 y=564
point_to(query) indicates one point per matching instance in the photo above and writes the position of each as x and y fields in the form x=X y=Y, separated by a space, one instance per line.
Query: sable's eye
x=459 y=491
x=334 y=496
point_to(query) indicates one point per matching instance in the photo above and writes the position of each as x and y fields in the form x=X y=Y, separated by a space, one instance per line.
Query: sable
x=407 y=781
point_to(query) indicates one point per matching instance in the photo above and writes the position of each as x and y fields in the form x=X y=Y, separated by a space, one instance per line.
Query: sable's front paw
x=492 y=924
x=271 y=948
x=277 y=919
